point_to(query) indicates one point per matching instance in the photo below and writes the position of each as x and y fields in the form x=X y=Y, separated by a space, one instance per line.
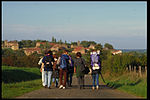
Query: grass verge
x=17 y=81
x=129 y=83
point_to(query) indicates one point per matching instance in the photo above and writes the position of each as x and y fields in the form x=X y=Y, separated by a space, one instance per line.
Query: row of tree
x=32 y=43
x=117 y=64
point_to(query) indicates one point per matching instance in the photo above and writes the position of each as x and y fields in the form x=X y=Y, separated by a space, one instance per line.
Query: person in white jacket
x=42 y=70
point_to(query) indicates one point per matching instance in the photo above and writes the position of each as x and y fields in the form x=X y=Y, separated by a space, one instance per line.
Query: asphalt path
x=75 y=93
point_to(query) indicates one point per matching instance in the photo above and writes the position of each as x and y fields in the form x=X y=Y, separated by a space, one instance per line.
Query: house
x=29 y=51
x=38 y=44
x=73 y=46
x=116 y=52
x=92 y=46
x=55 y=47
x=79 y=49
x=11 y=44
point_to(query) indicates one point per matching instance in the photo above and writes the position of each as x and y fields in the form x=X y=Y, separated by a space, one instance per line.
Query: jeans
x=47 y=75
x=69 y=78
x=56 y=84
x=43 y=83
x=95 y=77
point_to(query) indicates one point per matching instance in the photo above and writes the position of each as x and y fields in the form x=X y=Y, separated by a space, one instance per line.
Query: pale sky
x=122 y=24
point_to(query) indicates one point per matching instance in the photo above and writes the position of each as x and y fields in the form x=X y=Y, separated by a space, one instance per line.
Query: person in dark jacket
x=64 y=60
x=47 y=64
x=55 y=75
x=79 y=64
x=70 y=71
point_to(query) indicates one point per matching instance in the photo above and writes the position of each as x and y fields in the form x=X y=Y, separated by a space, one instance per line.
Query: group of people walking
x=58 y=70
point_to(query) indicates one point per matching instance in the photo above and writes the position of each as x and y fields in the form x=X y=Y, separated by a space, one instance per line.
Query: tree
x=60 y=41
x=73 y=43
x=98 y=47
x=109 y=46
x=53 y=39
x=65 y=42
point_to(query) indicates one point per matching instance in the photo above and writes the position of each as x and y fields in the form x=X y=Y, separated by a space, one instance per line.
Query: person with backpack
x=64 y=60
x=47 y=64
x=79 y=64
x=55 y=75
x=42 y=70
x=70 y=71
x=96 y=67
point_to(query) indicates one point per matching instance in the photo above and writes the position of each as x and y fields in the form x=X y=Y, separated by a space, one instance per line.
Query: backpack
x=48 y=63
x=94 y=58
x=63 y=62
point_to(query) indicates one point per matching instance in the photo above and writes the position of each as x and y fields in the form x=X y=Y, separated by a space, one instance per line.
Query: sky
x=121 y=24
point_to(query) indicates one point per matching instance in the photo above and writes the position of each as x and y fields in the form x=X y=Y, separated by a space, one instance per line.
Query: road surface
x=75 y=93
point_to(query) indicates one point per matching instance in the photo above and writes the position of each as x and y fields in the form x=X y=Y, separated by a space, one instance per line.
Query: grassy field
x=17 y=81
x=129 y=83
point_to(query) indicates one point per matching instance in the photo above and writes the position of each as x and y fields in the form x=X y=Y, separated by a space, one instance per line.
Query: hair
x=65 y=51
x=78 y=54
x=94 y=50
x=50 y=52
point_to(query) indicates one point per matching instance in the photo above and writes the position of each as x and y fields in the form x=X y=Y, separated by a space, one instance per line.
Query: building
x=79 y=49
x=55 y=47
x=29 y=51
x=92 y=46
x=116 y=52
x=38 y=44
x=11 y=44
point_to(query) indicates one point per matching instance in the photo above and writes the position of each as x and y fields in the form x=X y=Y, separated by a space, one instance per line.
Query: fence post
x=130 y=68
x=140 y=74
x=146 y=70
x=127 y=69
x=134 y=69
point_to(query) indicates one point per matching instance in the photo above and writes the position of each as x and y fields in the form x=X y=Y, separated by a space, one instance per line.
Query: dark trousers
x=63 y=72
x=69 y=78
x=81 y=82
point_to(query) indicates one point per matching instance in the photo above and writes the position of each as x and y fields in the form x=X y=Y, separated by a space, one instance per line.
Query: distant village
x=14 y=45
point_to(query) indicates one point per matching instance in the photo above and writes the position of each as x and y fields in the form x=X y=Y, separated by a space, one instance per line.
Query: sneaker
x=61 y=86
x=93 y=87
x=97 y=87
x=45 y=86
x=49 y=87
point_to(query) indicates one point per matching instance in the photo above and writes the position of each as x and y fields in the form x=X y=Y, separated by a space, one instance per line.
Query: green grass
x=129 y=83
x=17 y=81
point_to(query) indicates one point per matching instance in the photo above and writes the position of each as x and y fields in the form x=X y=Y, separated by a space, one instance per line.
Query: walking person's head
x=78 y=54
x=65 y=52
x=48 y=52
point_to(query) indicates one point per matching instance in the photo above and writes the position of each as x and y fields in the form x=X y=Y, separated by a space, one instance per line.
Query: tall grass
x=17 y=81
x=129 y=83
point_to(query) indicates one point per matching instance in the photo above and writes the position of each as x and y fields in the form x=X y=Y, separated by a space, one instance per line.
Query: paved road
x=73 y=92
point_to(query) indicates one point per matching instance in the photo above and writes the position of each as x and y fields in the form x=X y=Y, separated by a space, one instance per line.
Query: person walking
x=47 y=64
x=55 y=75
x=64 y=60
x=70 y=71
x=96 y=67
x=79 y=64
x=42 y=70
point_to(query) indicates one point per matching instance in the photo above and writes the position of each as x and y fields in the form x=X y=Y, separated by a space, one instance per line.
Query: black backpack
x=48 y=60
